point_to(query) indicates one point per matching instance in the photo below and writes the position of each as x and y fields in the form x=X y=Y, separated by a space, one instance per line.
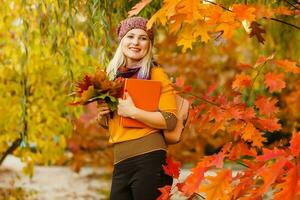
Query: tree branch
x=11 y=149
x=292 y=5
x=277 y=20
x=274 y=19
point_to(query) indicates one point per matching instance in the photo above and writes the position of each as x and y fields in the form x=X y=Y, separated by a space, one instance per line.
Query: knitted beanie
x=132 y=23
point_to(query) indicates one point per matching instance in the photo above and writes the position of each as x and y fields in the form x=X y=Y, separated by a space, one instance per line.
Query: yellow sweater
x=167 y=103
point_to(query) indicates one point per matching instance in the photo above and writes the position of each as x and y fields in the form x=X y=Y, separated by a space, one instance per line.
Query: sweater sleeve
x=167 y=101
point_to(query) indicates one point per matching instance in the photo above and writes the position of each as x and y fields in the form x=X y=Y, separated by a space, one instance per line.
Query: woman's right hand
x=103 y=109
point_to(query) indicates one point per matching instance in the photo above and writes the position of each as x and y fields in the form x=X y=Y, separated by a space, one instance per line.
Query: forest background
x=236 y=61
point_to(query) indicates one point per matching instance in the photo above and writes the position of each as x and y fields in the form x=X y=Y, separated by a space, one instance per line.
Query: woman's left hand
x=126 y=107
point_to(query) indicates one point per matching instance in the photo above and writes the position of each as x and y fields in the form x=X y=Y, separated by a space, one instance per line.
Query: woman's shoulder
x=158 y=73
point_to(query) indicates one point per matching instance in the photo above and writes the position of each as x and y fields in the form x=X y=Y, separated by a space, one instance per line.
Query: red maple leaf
x=295 y=144
x=274 y=82
x=266 y=106
x=165 y=193
x=289 y=66
x=241 y=81
x=172 y=167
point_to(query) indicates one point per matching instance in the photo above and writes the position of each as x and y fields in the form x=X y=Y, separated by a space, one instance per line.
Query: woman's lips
x=134 y=49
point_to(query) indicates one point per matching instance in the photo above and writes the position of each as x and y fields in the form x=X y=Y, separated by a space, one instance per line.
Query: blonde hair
x=119 y=60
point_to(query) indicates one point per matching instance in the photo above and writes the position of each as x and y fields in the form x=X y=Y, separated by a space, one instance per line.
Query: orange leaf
x=216 y=113
x=219 y=158
x=274 y=82
x=138 y=7
x=270 y=154
x=165 y=193
x=202 y=30
x=295 y=144
x=248 y=114
x=185 y=38
x=289 y=66
x=283 y=11
x=251 y=134
x=191 y=9
x=244 y=12
x=172 y=167
x=219 y=187
x=266 y=106
x=192 y=182
x=290 y=188
x=241 y=149
x=214 y=14
x=228 y=28
x=261 y=60
x=241 y=81
x=270 y=174
x=270 y=124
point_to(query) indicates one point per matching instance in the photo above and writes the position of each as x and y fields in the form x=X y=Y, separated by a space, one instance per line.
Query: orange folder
x=145 y=95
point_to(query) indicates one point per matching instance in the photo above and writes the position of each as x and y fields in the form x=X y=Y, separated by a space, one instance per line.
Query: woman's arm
x=126 y=108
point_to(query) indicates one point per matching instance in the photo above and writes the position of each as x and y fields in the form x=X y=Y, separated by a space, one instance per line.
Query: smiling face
x=135 y=46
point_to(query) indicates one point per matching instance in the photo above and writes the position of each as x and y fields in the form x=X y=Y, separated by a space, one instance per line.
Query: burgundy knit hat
x=132 y=23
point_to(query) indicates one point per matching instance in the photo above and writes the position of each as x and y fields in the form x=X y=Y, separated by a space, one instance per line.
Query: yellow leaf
x=185 y=38
x=201 y=30
x=191 y=9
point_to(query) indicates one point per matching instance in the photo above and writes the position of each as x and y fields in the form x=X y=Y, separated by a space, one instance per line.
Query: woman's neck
x=131 y=64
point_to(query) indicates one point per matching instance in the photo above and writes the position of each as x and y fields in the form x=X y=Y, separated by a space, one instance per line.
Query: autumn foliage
x=246 y=121
x=237 y=63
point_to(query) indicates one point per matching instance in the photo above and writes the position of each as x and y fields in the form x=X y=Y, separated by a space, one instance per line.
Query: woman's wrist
x=135 y=113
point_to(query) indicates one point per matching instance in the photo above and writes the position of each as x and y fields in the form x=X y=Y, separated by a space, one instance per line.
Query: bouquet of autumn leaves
x=98 y=87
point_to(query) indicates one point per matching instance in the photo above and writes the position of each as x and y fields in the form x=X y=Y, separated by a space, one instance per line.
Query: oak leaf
x=257 y=31
x=274 y=82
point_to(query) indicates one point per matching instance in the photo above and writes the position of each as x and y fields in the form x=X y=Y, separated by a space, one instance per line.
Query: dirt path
x=52 y=183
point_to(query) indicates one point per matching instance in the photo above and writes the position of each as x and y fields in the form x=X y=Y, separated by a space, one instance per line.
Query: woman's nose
x=135 y=41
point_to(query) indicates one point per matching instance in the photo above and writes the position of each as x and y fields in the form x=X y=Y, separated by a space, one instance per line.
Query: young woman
x=139 y=153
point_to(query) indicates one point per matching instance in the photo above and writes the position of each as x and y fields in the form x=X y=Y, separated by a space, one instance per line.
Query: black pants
x=139 y=177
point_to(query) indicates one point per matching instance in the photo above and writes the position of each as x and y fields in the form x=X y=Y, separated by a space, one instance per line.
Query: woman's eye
x=130 y=36
x=144 y=38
